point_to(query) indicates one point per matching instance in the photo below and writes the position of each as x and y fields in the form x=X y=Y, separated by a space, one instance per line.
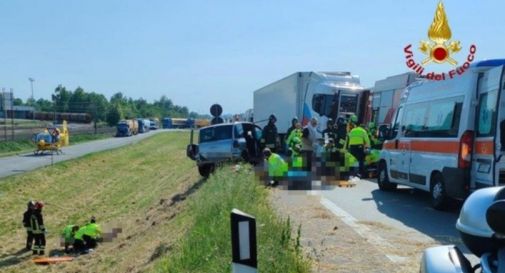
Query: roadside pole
x=4 y=106
x=243 y=242
x=12 y=114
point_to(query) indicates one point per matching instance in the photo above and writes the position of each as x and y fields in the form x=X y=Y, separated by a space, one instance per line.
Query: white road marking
x=362 y=230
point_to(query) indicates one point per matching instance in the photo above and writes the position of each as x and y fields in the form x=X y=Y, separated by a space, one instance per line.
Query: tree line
x=111 y=111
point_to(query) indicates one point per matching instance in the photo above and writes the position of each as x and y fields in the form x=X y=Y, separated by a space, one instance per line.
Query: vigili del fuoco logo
x=439 y=49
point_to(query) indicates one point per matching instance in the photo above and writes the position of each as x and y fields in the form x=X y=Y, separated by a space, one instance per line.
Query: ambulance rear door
x=484 y=172
x=499 y=150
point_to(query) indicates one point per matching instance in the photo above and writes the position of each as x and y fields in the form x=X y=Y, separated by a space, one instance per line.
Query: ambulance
x=446 y=135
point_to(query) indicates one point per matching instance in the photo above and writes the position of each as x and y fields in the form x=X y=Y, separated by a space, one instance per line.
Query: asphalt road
x=27 y=162
x=405 y=212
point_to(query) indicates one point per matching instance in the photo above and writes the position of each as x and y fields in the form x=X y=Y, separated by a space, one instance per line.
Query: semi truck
x=144 y=125
x=305 y=95
x=127 y=127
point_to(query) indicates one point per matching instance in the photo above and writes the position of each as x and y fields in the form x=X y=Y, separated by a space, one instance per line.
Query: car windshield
x=216 y=133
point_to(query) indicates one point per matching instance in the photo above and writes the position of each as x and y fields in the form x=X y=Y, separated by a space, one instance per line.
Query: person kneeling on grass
x=68 y=236
x=277 y=167
x=86 y=237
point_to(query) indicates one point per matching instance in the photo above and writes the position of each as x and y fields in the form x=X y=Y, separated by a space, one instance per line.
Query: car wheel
x=438 y=194
x=383 y=178
x=206 y=170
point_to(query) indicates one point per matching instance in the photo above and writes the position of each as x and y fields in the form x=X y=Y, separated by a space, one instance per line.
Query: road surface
x=27 y=162
x=387 y=217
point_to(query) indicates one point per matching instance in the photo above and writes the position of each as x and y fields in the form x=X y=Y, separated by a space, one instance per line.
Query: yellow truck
x=127 y=127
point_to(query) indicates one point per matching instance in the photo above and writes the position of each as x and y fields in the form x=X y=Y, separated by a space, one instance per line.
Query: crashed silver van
x=225 y=142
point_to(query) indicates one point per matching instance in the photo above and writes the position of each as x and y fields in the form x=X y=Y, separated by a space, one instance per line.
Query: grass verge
x=207 y=245
x=20 y=146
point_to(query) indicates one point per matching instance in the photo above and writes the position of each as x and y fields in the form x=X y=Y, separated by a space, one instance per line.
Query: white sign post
x=243 y=242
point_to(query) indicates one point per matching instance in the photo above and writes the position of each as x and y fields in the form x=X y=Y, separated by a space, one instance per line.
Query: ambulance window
x=487 y=114
x=443 y=118
x=396 y=126
x=414 y=119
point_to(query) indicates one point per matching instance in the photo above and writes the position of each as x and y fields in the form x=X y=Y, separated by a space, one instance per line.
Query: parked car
x=225 y=142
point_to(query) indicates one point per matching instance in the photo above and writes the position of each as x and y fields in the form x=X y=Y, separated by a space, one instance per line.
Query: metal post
x=54 y=111
x=94 y=117
x=4 y=107
x=33 y=100
x=12 y=114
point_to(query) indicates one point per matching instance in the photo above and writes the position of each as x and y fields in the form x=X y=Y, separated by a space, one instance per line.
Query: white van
x=446 y=135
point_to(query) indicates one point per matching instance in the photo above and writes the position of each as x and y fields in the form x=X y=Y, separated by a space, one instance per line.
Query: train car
x=60 y=116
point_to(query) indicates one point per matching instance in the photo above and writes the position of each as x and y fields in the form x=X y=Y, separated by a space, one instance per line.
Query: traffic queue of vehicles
x=129 y=127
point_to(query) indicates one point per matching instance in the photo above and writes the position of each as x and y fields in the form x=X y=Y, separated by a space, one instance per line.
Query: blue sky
x=201 y=52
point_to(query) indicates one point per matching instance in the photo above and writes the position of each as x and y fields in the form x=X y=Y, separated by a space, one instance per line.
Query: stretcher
x=52 y=260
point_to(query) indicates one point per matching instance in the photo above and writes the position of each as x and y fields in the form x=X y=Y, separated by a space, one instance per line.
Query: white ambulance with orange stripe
x=447 y=137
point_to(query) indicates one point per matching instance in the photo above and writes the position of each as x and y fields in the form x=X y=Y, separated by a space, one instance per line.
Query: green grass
x=206 y=248
x=133 y=188
x=121 y=187
x=10 y=147
x=23 y=123
x=21 y=146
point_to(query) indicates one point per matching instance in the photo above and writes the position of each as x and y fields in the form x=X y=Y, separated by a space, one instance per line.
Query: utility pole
x=12 y=114
x=54 y=110
x=4 y=107
x=33 y=100
x=94 y=117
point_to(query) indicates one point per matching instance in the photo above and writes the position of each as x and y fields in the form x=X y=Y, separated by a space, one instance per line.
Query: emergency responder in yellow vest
x=375 y=143
x=68 y=236
x=296 y=132
x=26 y=223
x=277 y=167
x=38 y=229
x=357 y=143
x=294 y=142
x=295 y=146
x=86 y=237
x=294 y=121
x=92 y=233
x=79 y=245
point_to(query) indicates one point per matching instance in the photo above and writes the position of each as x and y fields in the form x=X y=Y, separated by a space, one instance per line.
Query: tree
x=113 y=115
x=98 y=105
x=61 y=98
x=44 y=105
x=17 y=101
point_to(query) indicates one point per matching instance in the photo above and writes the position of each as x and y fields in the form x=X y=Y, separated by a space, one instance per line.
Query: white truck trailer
x=305 y=95
x=386 y=95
